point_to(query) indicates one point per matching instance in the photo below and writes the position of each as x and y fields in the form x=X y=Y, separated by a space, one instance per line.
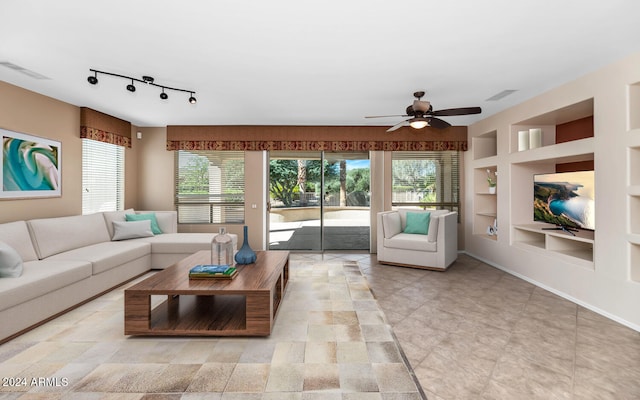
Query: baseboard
x=590 y=307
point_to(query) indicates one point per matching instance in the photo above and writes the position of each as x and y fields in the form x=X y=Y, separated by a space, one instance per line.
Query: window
x=102 y=177
x=427 y=179
x=210 y=187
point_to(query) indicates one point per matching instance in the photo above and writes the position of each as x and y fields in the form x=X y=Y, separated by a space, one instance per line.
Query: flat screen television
x=565 y=199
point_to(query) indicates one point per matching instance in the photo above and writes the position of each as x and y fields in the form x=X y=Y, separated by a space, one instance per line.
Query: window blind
x=102 y=177
x=428 y=179
x=209 y=187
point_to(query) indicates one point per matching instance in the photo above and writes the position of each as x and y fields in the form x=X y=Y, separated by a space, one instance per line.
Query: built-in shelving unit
x=576 y=249
x=633 y=190
x=485 y=203
x=485 y=145
x=567 y=143
x=485 y=152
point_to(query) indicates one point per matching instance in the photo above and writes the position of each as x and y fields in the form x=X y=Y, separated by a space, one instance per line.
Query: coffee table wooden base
x=244 y=306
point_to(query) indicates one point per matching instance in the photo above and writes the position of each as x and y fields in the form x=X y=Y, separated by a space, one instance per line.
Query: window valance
x=315 y=138
x=104 y=128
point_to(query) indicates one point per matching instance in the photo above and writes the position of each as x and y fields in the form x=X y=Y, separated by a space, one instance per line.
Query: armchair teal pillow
x=10 y=262
x=418 y=223
x=155 y=228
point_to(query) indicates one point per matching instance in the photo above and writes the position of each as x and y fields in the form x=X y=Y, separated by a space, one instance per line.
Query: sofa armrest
x=380 y=233
x=448 y=237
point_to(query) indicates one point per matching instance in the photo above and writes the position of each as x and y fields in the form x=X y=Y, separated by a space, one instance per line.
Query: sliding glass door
x=318 y=201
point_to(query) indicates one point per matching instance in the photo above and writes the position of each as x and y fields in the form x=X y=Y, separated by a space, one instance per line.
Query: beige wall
x=27 y=112
x=604 y=287
x=31 y=113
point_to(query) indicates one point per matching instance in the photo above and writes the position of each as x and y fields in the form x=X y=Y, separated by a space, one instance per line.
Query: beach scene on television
x=565 y=199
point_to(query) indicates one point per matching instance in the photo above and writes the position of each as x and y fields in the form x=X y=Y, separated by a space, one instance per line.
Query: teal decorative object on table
x=245 y=255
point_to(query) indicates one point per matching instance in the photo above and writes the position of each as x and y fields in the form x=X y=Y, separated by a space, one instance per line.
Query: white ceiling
x=298 y=62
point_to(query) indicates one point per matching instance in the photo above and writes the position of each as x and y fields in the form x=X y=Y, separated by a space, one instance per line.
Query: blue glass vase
x=245 y=255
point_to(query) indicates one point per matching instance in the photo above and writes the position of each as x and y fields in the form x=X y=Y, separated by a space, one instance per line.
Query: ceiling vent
x=501 y=95
x=22 y=70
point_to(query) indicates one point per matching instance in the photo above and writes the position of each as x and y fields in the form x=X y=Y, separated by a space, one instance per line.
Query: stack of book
x=212 y=272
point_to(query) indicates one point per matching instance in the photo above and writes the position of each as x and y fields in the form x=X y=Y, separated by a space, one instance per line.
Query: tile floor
x=475 y=332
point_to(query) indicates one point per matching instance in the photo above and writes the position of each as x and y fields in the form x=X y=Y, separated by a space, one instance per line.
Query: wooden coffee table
x=243 y=306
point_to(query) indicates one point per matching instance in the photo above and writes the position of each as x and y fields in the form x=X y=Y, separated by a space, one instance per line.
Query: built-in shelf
x=634 y=166
x=633 y=106
x=576 y=249
x=485 y=203
x=634 y=258
x=574 y=151
x=485 y=145
x=634 y=215
x=567 y=124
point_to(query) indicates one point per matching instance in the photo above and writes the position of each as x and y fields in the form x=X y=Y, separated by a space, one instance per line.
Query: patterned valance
x=104 y=128
x=315 y=138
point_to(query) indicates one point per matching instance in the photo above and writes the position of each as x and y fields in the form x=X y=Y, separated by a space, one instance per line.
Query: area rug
x=330 y=341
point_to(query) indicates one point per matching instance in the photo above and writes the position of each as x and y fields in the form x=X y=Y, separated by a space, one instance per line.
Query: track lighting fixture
x=131 y=88
x=93 y=79
x=145 y=79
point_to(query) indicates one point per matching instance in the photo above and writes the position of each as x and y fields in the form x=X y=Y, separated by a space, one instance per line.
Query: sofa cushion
x=123 y=230
x=141 y=217
x=410 y=241
x=56 y=235
x=39 y=278
x=16 y=234
x=106 y=255
x=417 y=223
x=111 y=216
x=391 y=224
x=10 y=262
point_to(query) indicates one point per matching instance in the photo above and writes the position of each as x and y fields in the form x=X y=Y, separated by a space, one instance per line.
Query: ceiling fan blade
x=457 y=111
x=438 y=123
x=398 y=126
x=385 y=116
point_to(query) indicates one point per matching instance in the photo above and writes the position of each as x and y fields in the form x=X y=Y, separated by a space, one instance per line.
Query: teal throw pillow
x=155 y=228
x=418 y=223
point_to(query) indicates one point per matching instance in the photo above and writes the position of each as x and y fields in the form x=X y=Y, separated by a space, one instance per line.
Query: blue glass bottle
x=245 y=255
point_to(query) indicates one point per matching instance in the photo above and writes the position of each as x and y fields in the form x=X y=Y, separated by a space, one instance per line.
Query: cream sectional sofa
x=436 y=250
x=68 y=260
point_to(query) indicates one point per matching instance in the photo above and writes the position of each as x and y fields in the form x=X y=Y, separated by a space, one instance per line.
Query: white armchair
x=436 y=250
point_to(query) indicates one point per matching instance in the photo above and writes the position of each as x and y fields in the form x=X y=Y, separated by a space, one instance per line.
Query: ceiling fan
x=422 y=115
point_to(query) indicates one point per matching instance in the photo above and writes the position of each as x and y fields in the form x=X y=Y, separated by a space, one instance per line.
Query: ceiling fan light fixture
x=192 y=99
x=418 y=123
x=163 y=95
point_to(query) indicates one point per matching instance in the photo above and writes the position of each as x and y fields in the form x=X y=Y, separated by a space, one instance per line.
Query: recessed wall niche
x=633 y=107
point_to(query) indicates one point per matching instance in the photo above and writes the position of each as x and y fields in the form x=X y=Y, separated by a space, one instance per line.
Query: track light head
x=93 y=79
x=163 y=95
x=130 y=87
x=192 y=99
